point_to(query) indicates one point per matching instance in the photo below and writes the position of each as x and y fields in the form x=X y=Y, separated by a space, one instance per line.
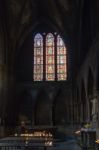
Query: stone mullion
x=55 y=41
x=33 y=61
x=44 y=57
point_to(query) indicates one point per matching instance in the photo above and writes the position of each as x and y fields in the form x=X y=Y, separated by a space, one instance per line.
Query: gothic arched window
x=49 y=57
x=38 y=57
x=61 y=59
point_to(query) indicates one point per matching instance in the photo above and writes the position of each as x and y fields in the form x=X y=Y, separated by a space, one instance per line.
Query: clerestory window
x=49 y=58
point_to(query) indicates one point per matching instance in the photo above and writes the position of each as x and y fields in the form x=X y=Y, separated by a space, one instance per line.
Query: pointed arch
x=42 y=110
x=59 y=110
x=50 y=57
x=38 y=57
x=61 y=59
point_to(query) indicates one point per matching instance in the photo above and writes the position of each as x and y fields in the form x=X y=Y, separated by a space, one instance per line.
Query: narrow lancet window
x=38 y=57
x=61 y=59
x=50 y=60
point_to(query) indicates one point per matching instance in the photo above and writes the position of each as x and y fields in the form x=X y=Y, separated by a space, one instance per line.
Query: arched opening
x=59 y=110
x=42 y=109
x=32 y=65
x=25 y=108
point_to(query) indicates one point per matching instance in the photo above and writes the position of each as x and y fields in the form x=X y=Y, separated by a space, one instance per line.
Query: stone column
x=97 y=126
x=94 y=112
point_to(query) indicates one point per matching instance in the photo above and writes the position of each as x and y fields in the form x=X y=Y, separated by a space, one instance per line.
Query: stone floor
x=69 y=144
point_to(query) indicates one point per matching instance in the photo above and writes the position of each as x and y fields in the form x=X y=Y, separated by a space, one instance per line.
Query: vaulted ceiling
x=70 y=17
x=24 y=13
x=21 y=16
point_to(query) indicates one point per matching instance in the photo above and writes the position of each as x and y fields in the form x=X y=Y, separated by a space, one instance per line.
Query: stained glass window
x=61 y=59
x=50 y=60
x=38 y=57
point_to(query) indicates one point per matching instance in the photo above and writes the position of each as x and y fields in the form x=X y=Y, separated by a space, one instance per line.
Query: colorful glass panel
x=50 y=57
x=61 y=59
x=38 y=57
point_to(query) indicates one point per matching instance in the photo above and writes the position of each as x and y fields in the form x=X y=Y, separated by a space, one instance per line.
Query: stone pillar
x=81 y=112
x=94 y=112
x=88 y=110
x=97 y=127
x=3 y=97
